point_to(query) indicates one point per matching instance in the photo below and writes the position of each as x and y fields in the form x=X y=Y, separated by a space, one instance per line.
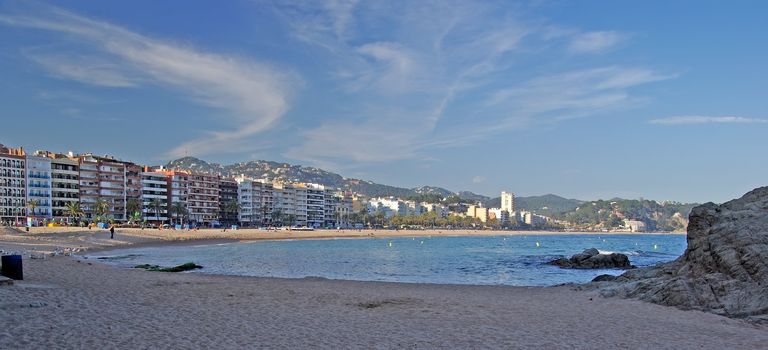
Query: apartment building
x=315 y=205
x=284 y=210
x=102 y=179
x=227 y=195
x=478 y=212
x=390 y=206
x=154 y=196
x=133 y=184
x=508 y=202
x=440 y=209
x=249 y=198
x=65 y=181
x=13 y=185
x=203 y=199
x=39 y=188
x=338 y=208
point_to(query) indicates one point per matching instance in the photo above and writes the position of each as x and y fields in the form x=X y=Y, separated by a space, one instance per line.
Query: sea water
x=518 y=260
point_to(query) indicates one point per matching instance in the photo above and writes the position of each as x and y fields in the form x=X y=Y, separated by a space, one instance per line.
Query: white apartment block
x=250 y=195
x=499 y=214
x=508 y=201
x=532 y=219
x=39 y=187
x=295 y=204
x=390 y=206
x=154 y=196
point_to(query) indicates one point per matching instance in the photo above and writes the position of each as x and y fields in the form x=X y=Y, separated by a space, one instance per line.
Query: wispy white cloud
x=86 y=70
x=254 y=94
x=575 y=94
x=595 y=42
x=478 y=179
x=426 y=56
x=686 y=120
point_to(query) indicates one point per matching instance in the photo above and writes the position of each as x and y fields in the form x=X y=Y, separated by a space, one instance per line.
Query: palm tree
x=74 y=211
x=32 y=204
x=135 y=217
x=264 y=211
x=290 y=219
x=179 y=210
x=232 y=207
x=132 y=207
x=156 y=205
x=277 y=216
x=102 y=209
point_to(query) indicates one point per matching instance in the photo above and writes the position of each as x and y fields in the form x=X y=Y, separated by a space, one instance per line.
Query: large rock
x=592 y=259
x=724 y=270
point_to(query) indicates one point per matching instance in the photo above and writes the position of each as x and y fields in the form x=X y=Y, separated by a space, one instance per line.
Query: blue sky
x=653 y=99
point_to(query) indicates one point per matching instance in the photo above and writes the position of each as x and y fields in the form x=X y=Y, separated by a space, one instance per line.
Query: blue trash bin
x=12 y=267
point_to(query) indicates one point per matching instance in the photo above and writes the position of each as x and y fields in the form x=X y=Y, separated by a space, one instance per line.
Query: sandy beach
x=68 y=303
x=47 y=239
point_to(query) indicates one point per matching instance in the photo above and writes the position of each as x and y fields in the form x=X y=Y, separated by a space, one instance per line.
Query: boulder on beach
x=593 y=259
x=724 y=270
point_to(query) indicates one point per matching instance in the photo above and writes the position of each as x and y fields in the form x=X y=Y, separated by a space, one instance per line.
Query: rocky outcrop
x=592 y=259
x=724 y=270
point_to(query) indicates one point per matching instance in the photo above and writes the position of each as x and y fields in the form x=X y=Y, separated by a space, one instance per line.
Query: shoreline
x=69 y=297
x=131 y=308
x=68 y=240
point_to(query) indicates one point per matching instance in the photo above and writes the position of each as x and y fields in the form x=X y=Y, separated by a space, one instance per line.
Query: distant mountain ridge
x=598 y=214
x=270 y=170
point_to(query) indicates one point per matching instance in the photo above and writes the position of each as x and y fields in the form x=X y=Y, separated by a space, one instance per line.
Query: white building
x=532 y=219
x=507 y=201
x=39 y=187
x=154 y=196
x=634 y=225
x=295 y=204
x=390 y=206
x=499 y=214
x=249 y=197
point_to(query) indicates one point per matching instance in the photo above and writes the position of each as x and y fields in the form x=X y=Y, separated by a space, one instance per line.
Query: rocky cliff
x=724 y=270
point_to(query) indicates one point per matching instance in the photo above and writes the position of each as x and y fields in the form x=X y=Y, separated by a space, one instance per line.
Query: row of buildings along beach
x=42 y=188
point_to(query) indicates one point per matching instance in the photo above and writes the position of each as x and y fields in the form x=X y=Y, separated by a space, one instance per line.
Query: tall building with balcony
x=227 y=195
x=284 y=204
x=102 y=180
x=508 y=202
x=249 y=197
x=315 y=205
x=154 y=197
x=13 y=185
x=338 y=208
x=65 y=180
x=203 y=199
x=133 y=184
x=39 y=188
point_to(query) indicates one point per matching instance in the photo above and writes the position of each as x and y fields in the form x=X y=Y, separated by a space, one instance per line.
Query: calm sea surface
x=506 y=260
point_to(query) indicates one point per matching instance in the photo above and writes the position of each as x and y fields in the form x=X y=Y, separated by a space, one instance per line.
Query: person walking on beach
x=112 y=232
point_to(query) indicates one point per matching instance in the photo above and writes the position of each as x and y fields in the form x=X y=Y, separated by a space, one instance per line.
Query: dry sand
x=66 y=303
